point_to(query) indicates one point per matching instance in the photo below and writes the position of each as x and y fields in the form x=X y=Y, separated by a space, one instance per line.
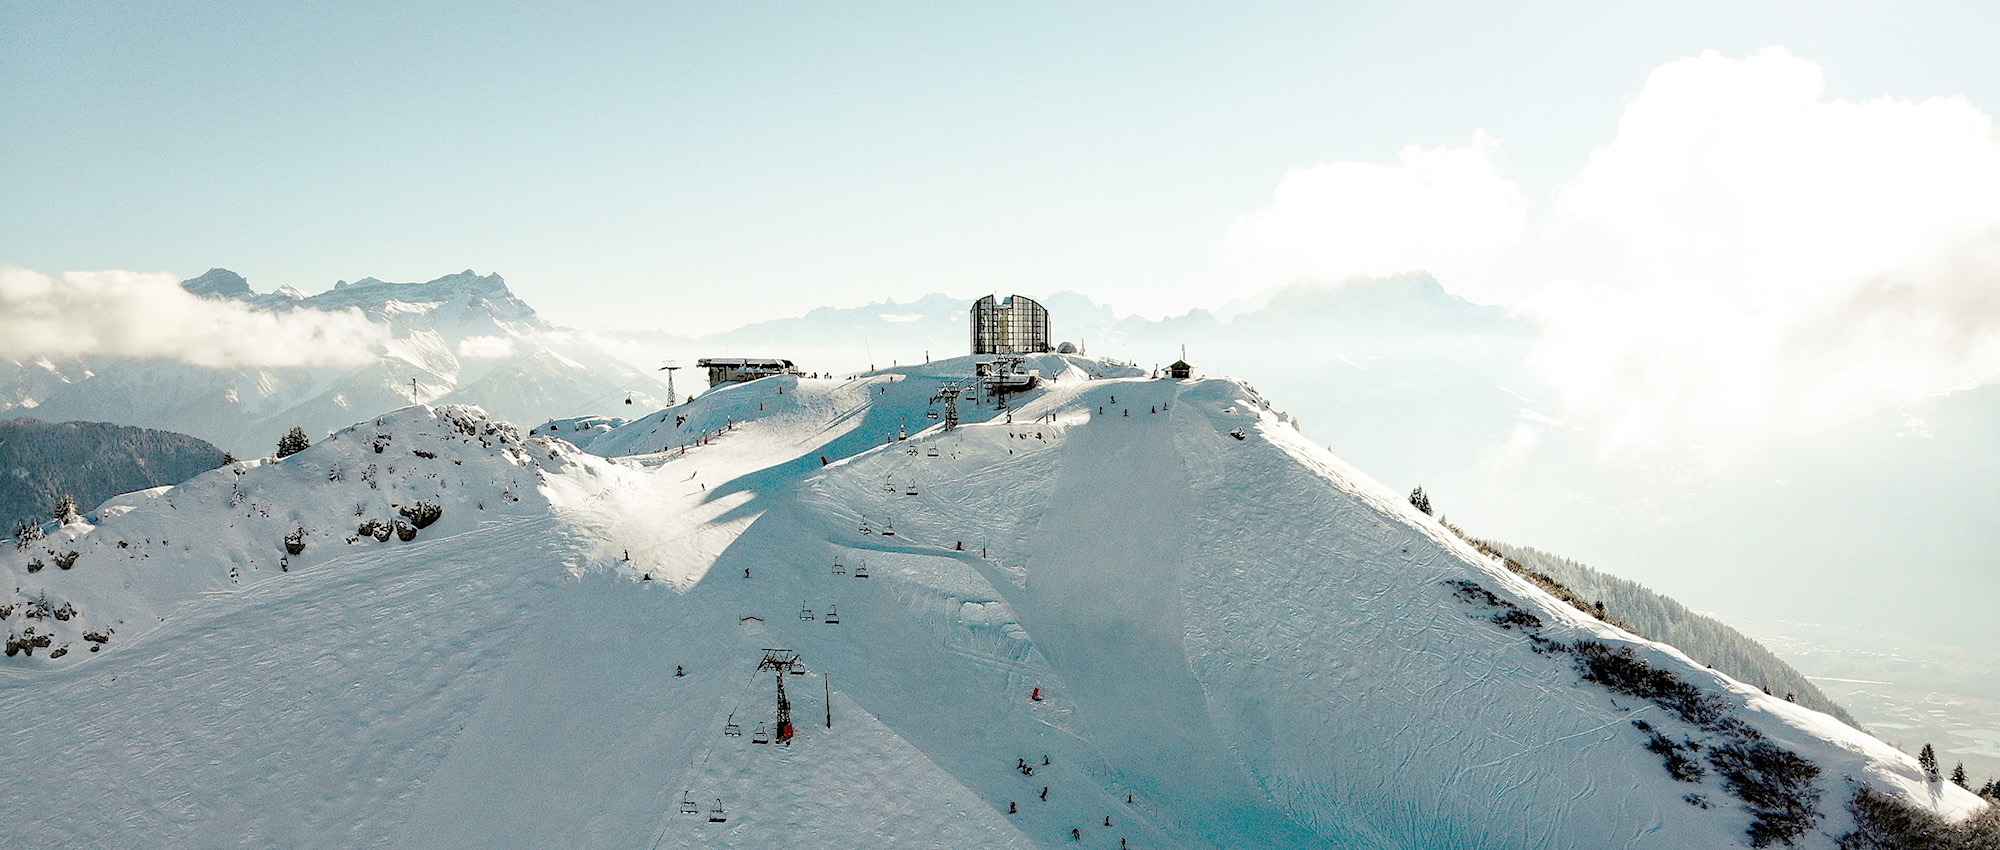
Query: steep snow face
x=123 y=569
x=1121 y=612
x=460 y=339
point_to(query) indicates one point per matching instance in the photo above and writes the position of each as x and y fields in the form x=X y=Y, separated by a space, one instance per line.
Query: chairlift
x=839 y=568
x=687 y=804
x=761 y=736
x=931 y=415
x=931 y=452
x=717 y=815
x=861 y=571
x=911 y=490
x=797 y=667
x=805 y=613
x=888 y=530
x=832 y=615
x=730 y=728
x=865 y=530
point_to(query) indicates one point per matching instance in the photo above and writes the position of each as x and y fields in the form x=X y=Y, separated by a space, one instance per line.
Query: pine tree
x=1958 y=776
x=293 y=442
x=65 y=511
x=1420 y=501
x=1927 y=759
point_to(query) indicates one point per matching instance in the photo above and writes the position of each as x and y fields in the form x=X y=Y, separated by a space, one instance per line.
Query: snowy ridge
x=1237 y=640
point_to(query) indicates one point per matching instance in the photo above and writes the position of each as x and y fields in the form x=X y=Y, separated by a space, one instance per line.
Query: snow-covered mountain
x=462 y=338
x=1123 y=612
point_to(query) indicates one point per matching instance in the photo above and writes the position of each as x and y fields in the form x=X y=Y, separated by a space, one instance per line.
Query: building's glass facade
x=1017 y=325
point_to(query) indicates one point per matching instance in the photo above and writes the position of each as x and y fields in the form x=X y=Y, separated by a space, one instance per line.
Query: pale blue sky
x=697 y=166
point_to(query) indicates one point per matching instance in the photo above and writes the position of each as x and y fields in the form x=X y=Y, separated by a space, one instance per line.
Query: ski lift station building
x=1017 y=325
x=736 y=370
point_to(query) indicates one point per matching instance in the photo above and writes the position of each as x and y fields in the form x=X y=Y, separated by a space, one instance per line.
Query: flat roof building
x=1017 y=325
x=735 y=370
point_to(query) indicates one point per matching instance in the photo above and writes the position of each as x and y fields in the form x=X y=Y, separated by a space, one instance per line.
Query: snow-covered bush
x=1622 y=670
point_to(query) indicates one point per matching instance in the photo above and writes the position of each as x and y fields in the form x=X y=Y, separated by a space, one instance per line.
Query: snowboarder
x=1107 y=820
x=679 y=671
x=746 y=572
x=1012 y=809
x=1045 y=792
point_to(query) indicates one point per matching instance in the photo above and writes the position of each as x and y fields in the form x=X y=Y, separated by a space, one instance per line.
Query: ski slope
x=1236 y=640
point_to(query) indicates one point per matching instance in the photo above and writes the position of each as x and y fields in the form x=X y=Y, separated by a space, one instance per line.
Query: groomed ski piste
x=1123 y=612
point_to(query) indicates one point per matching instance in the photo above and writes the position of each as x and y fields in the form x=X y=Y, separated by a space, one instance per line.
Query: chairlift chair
x=888 y=530
x=717 y=815
x=832 y=615
x=805 y=613
x=931 y=452
x=839 y=569
x=687 y=804
x=931 y=415
x=911 y=490
x=730 y=728
x=861 y=571
x=761 y=736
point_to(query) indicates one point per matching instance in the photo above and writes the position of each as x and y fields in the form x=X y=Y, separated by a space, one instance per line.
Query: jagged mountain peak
x=219 y=283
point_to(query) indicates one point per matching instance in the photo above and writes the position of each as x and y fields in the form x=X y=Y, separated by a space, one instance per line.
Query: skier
x=678 y=672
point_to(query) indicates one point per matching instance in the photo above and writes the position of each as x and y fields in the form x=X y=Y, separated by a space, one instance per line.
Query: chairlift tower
x=669 y=369
x=781 y=661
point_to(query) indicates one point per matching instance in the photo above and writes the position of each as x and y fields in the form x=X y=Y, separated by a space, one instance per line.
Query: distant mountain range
x=461 y=338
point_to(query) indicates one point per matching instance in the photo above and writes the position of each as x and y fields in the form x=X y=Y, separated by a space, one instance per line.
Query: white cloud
x=1747 y=255
x=486 y=347
x=1744 y=258
x=1438 y=209
x=129 y=314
